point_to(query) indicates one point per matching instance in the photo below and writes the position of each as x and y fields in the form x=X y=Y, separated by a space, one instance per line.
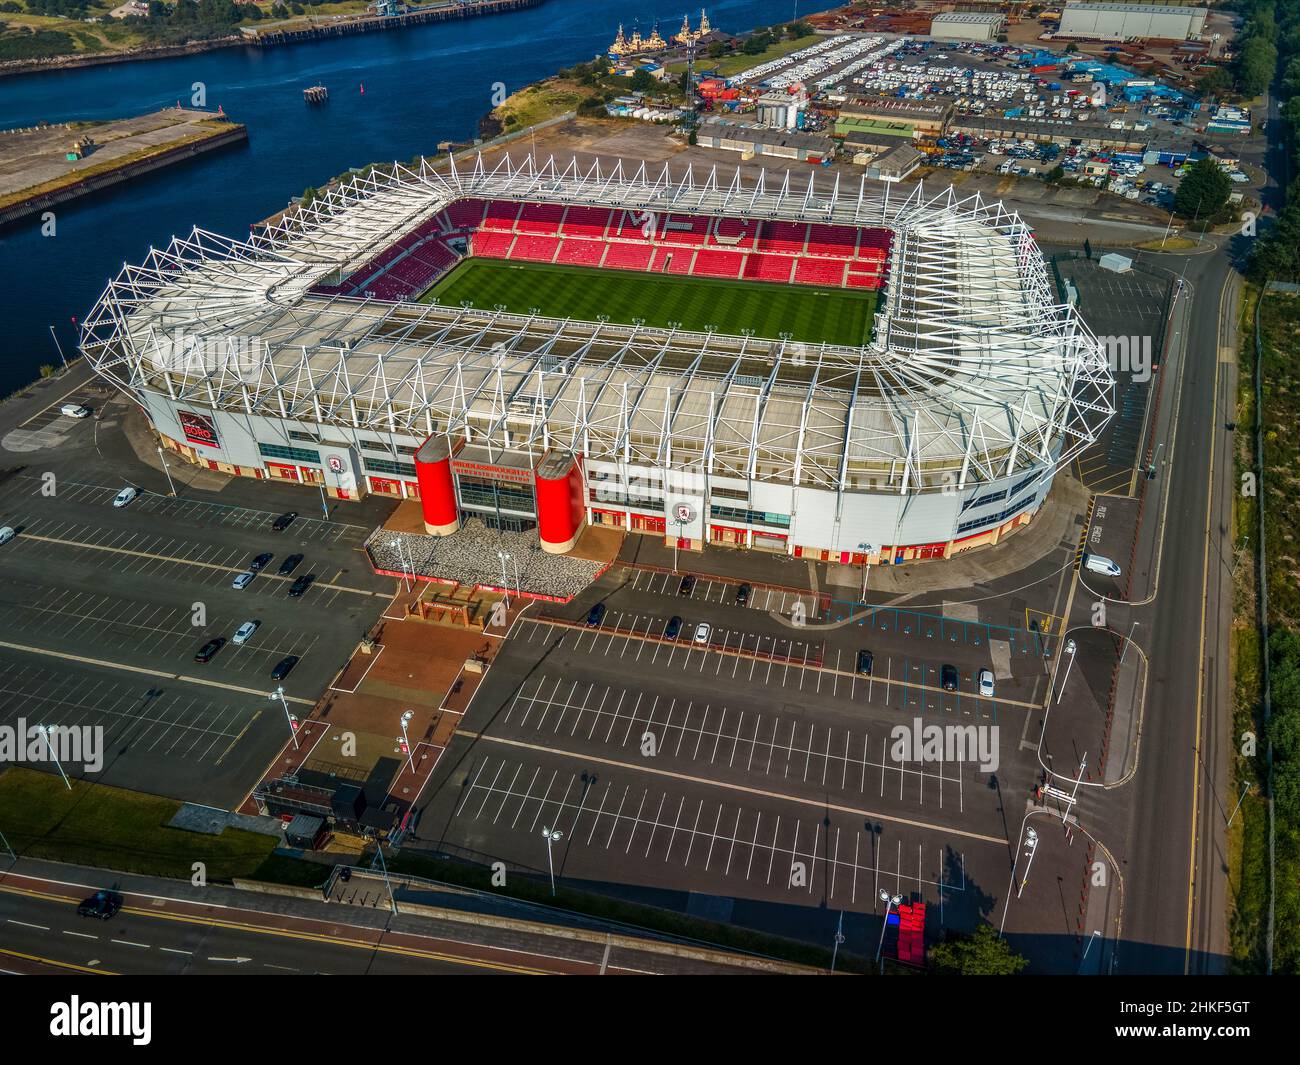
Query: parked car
x=300 y=585
x=595 y=615
x=1101 y=564
x=7 y=533
x=687 y=586
x=865 y=661
x=284 y=521
x=75 y=410
x=986 y=683
x=673 y=629
x=206 y=652
x=245 y=631
x=101 y=905
x=243 y=580
x=702 y=632
x=284 y=667
x=260 y=562
x=948 y=678
x=125 y=496
x=289 y=565
x=742 y=594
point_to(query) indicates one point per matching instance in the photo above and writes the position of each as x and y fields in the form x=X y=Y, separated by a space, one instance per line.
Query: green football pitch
x=812 y=315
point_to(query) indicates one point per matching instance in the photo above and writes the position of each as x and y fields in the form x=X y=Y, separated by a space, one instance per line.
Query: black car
x=300 y=585
x=102 y=904
x=865 y=662
x=948 y=678
x=289 y=565
x=742 y=594
x=284 y=521
x=284 y=667
x=687 y=586
x=595 y=615
x=209 y=649
x=673 y=629
x=261 y=561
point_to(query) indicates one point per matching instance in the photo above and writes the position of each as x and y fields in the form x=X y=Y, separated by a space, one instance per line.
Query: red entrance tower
x=437 y=487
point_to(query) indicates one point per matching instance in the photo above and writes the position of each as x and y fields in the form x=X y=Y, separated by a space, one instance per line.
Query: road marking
x=58 y=964
x=154 y=556
x=743 y=789
x=146 y=672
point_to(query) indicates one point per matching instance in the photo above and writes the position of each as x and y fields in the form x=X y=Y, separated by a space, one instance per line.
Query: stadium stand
x=829 y=272
x=493 y=245
x=581 y=252
x=535 y=249
x=761 y=267
x=685 y=229
x=712 y=263
x=463 y=215
x=586 y=221
x=735 y=233
x=630 y=225
x=628 y=256
x=501 y=215
x=540 y=218
x=672 y=261
x=788 y=237
x=836 y=241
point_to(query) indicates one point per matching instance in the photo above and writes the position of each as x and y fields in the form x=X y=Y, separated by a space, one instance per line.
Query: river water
x=422 y=85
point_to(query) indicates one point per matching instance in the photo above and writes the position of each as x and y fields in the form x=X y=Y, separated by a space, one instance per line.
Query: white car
x=7 y=533
x=243 y=580
x=702 y=632
x=125 y=496
x=986 y=683
x=244 y=631
x=1101 y=564
x=75 y=410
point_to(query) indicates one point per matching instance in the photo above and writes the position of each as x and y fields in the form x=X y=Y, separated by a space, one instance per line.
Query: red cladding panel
x=560 y=507
x=437 y=492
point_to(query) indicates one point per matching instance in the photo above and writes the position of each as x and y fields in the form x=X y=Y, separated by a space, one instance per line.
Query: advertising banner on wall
x=198 y=428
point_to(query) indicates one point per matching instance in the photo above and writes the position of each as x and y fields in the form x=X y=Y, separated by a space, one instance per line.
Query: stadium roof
x=972 y=372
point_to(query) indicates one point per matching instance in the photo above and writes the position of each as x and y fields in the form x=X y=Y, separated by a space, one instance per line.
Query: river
x=422 y=85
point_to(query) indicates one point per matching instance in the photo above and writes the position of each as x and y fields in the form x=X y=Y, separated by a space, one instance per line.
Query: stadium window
x=404 y=469
x=751 y=517
x=984 y=500
x=731 y=493
x=1021 y=484
x=294 y=454
x=310 y=438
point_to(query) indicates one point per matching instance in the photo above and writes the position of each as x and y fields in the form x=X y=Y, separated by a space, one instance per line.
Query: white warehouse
x=1117 y=21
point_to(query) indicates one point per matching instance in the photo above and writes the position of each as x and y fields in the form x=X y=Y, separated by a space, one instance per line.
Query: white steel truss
x=973 y=371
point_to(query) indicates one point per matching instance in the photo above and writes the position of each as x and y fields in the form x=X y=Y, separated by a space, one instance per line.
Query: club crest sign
x=684 y=513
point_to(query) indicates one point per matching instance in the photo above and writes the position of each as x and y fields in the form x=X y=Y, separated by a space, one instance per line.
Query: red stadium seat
x=760 y=267
x=711 y=263
x=501 y=215
x=672 y=261
x=628 y=256
x=783 y=236
x=836 y=241
x=684 y=229
x=586 y=221
x=581 y=252
x=829 y=272
x=535 y=249
x=734 y=233
x=492 y=245
x=540 y=218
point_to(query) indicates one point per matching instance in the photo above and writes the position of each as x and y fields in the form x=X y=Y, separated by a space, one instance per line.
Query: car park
x=702 y=632
x=260 y=562
x=284 y=667
x=290 y=564
x=209 y=649
x=986 y=683
x=948 y=678
x=595 y=615
x=865 y=661
x=74 y=410
x=245 y=631
x=300 y=585
x=673 y=629
x=102 y=905
x=125 y=496
x=7 y=533
x=284 y=521
x=243 y=580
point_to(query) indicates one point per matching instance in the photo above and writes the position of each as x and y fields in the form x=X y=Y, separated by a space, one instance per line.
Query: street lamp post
x=1132 y=630
x=44 y=730
x=293 y=721
x=868 y=550
x=551 y=836
x=401 y=557
x=406 y=739
x=514 y=565
x=167 y=471
x=889 y=900
x=1070 y=648
x=505 y=578
x=839 y=938
x=1031 y=845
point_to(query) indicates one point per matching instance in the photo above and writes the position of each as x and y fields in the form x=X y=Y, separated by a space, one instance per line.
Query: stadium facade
x=303 y=354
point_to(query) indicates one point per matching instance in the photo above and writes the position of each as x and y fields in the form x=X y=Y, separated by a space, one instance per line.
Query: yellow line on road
x=817 y=804
x=60 y=964
x=187 y=562
x=84 y=660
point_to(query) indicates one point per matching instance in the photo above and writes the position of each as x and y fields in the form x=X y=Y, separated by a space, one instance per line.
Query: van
x=1101 y=564
x=75 y=410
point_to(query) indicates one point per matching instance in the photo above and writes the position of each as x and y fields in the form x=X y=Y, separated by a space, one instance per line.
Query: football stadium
x=786 y=362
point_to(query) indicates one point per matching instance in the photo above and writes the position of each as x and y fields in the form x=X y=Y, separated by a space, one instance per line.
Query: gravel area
x=470 y=556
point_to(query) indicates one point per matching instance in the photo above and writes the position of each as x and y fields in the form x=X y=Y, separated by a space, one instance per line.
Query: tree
x=1214 y=83
x=983 y=954
x=1203 y=192
x=642 y=80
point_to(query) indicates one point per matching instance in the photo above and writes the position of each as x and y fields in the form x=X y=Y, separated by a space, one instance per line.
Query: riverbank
x=36 y=175
x=297 y=30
